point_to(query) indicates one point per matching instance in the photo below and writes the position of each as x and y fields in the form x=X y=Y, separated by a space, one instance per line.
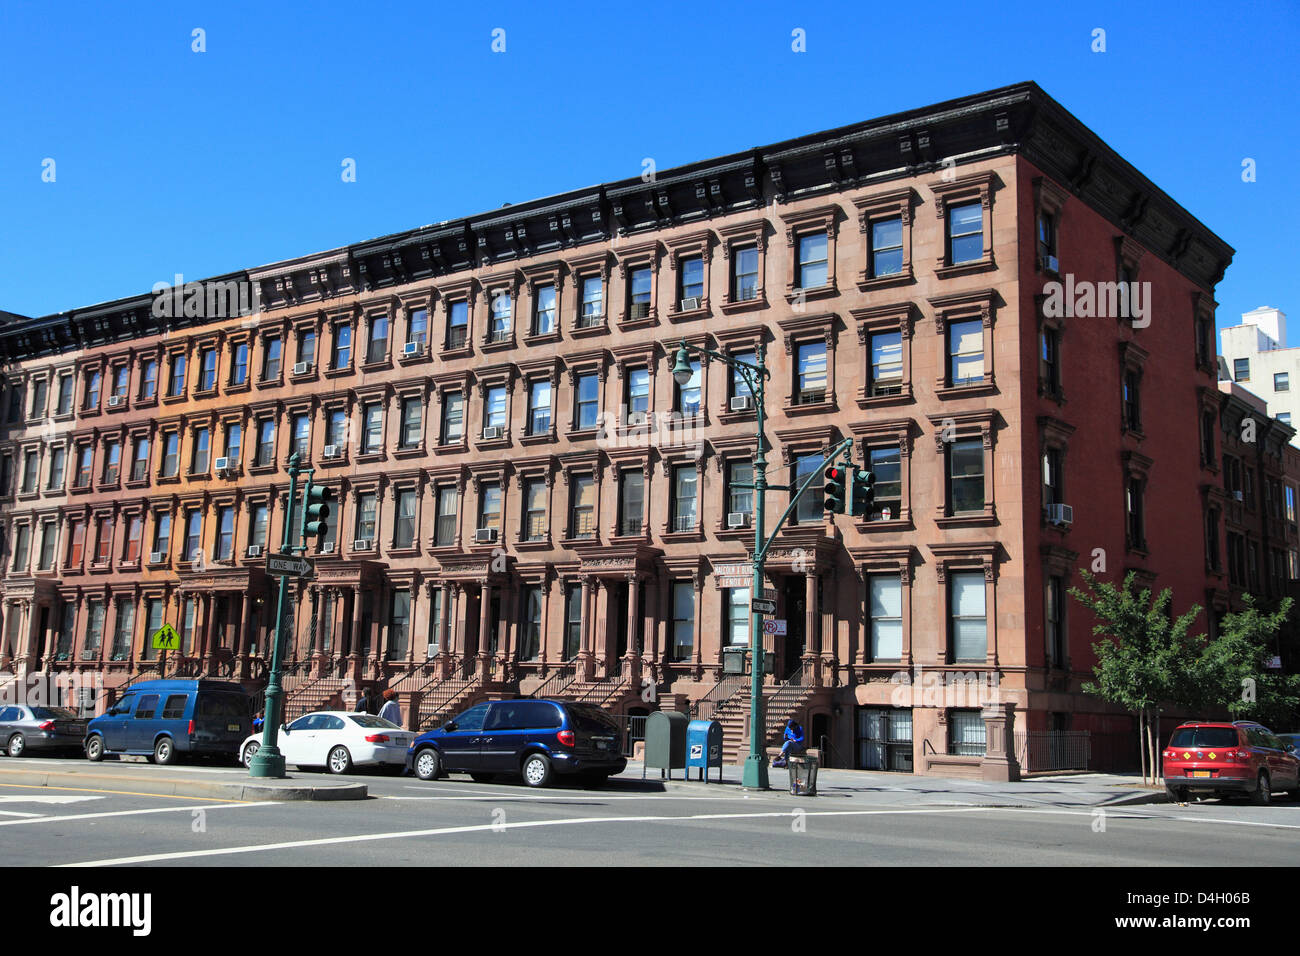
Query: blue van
x=165 y=718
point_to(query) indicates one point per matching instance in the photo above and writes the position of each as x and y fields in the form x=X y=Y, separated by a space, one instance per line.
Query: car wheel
x=482 y=777
x=1176 y=794
x=249 y=753
x=537 y=770
x=164 y=751
x=340 y=761
x=428 y=764
x=95 y=748
x=1262 y=794
x=17 y=744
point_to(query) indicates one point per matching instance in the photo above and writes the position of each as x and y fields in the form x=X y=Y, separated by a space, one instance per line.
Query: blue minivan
x=535 y=739
x=166 y=718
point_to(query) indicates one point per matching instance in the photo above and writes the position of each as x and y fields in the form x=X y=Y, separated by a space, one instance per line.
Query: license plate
x=1201 y=773
x=602 y=744
x=232 y=726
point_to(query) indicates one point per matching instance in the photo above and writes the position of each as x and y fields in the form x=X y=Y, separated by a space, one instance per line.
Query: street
x=919 y=822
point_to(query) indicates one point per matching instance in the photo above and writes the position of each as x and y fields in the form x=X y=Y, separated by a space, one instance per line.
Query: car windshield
x=53 y=713
x=369 y=722
x=1204 y=737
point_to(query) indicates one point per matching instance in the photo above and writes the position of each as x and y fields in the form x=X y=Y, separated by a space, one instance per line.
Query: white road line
x=133 y=813
x=15 y=813
x=499 y=827
x=588 y=798
x=1137 y=815
x=46 y=798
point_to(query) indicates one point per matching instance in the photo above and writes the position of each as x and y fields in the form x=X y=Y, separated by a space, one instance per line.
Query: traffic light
x=834 y=489
x=862 y=497
x=318 y=510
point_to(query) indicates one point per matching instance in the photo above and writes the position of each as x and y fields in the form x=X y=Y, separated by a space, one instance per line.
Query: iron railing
x=723 y=691
x=601 y=691
x=557 y=683
x=1053 y=749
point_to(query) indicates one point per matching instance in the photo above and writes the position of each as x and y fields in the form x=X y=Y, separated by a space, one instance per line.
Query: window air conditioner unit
x=114 y=401
x=331 y=451
x=1060 y=514
x=254 y=550
x=738 y=519
x=636 y=418
x=302 y=368
x=221 y=464
x=362 y=544
x=413 y=348
x=491 y=431
x=690 y=304
x=485 y=536
x=327 y=549
x=742 y=403
x=156 y=557
x=1048 y=263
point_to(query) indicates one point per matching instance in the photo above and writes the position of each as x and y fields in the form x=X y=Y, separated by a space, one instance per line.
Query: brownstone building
x=530 y=503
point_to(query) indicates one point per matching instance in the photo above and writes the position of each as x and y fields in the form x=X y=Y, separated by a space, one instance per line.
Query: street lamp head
x=682 y=370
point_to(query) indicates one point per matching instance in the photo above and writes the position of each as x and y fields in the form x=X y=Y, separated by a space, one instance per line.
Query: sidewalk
x=1073 y=790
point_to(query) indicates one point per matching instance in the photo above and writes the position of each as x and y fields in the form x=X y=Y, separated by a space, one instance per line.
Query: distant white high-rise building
x=1256 y=357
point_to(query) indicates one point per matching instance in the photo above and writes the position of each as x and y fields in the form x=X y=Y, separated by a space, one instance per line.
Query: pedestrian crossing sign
x=166 y=639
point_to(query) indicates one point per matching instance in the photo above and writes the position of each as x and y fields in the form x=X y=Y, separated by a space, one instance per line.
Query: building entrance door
x=617 y=621
x=791 y=653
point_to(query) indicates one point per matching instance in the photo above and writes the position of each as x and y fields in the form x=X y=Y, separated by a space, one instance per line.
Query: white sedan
x=337 y=740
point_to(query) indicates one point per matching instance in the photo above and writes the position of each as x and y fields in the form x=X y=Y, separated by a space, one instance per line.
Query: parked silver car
x=24 y=729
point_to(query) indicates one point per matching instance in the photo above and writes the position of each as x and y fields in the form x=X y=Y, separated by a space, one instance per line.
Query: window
x=225 y=533
x=1281 y=382
x=886 y=363
x=40 y=395
x=744 y=274
x=307 y=346
x=171 y=454
x=736 y=608
x=58 y=455
x=258 y=526
x=457 y=324
x=153 y=620
x=965 y=353
x=811 y=373
x=31 y=464
x=1054 y=610
x=885 y=604
x=593 y=303
x=234 y=438
x=539 y=407
x=85 y=456
x=453 y=418
x=1051 y=476
x=404 y=524
x=1049 y=367
x=535 y=509
x=22 y=544
x=199 y=465
x=812 y=261
x=188 y=614
x=685 y=482
x=271 y=359
x=412 y=423
x=739 y=385
x=572 y=621
x=1284 y=417
x=531 y=632
x=177 y=384
x=544 y=318
x=965 y=476
x=342 y=346
x=1133 y=507
x=683 y=620
x=92 y=391
x=94 y=630
x=301 y=424
x=65 y=392
x=266 y=442
x=366 y=503
x=588 y=404
x=887 y=465
x=418 y=327
x=499 y=321
x=965 y=233
x=969 y=621
x=207 y=370
x=121 y=381
x=399 y=624
x=162 y=533
x=1046 y=240
x=582 y=521
x=445 y=526
x=494 y=412
x=49 y=541
x=112 y=463
x=740 y=500
x=193 y=534
x=1290 y=503
x=489 y=512
x=1132 y=395
x=966 y=733
x=139 y=459
x=1241 y=370
x=76 y=543
x=810 y=502
x=336 y=428
x=886 y=258
x=239 y=364
x=687 y=402
x=639 y=293
x=692 y=279
x=631 y=506
x=103 y=541
x=372 y=432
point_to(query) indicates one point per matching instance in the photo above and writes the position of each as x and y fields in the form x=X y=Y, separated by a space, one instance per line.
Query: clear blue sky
x=173 y=161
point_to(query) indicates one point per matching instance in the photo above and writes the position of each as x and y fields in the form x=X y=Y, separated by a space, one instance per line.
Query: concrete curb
x=183 y=787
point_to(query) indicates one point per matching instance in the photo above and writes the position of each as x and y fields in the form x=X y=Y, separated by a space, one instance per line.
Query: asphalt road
x=459 y=822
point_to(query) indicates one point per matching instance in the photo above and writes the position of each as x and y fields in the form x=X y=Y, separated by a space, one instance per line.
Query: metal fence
x=1038 y=750
x=633 y=730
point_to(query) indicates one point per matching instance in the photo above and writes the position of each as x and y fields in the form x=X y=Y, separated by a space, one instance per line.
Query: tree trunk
x=1142 y=748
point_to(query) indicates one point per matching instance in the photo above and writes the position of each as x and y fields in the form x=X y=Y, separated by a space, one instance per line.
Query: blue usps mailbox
x=704 y=747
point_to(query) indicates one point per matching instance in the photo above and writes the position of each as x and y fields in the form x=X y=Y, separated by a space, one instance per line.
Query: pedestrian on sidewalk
x=391 y=711
x=364 y=703
x=793 y=743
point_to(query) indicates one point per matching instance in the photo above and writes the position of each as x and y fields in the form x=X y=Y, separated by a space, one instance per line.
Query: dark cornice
x=1015 y=119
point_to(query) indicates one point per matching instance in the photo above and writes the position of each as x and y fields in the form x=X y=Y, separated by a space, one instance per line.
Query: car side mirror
x=449 y=726
x=284 y=730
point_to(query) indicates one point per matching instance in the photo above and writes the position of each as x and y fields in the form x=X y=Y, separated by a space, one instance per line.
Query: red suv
x=1241 y=757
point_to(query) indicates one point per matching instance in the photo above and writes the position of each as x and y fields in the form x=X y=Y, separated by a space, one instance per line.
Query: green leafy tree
x=1146 y=656
x=1234 y=670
